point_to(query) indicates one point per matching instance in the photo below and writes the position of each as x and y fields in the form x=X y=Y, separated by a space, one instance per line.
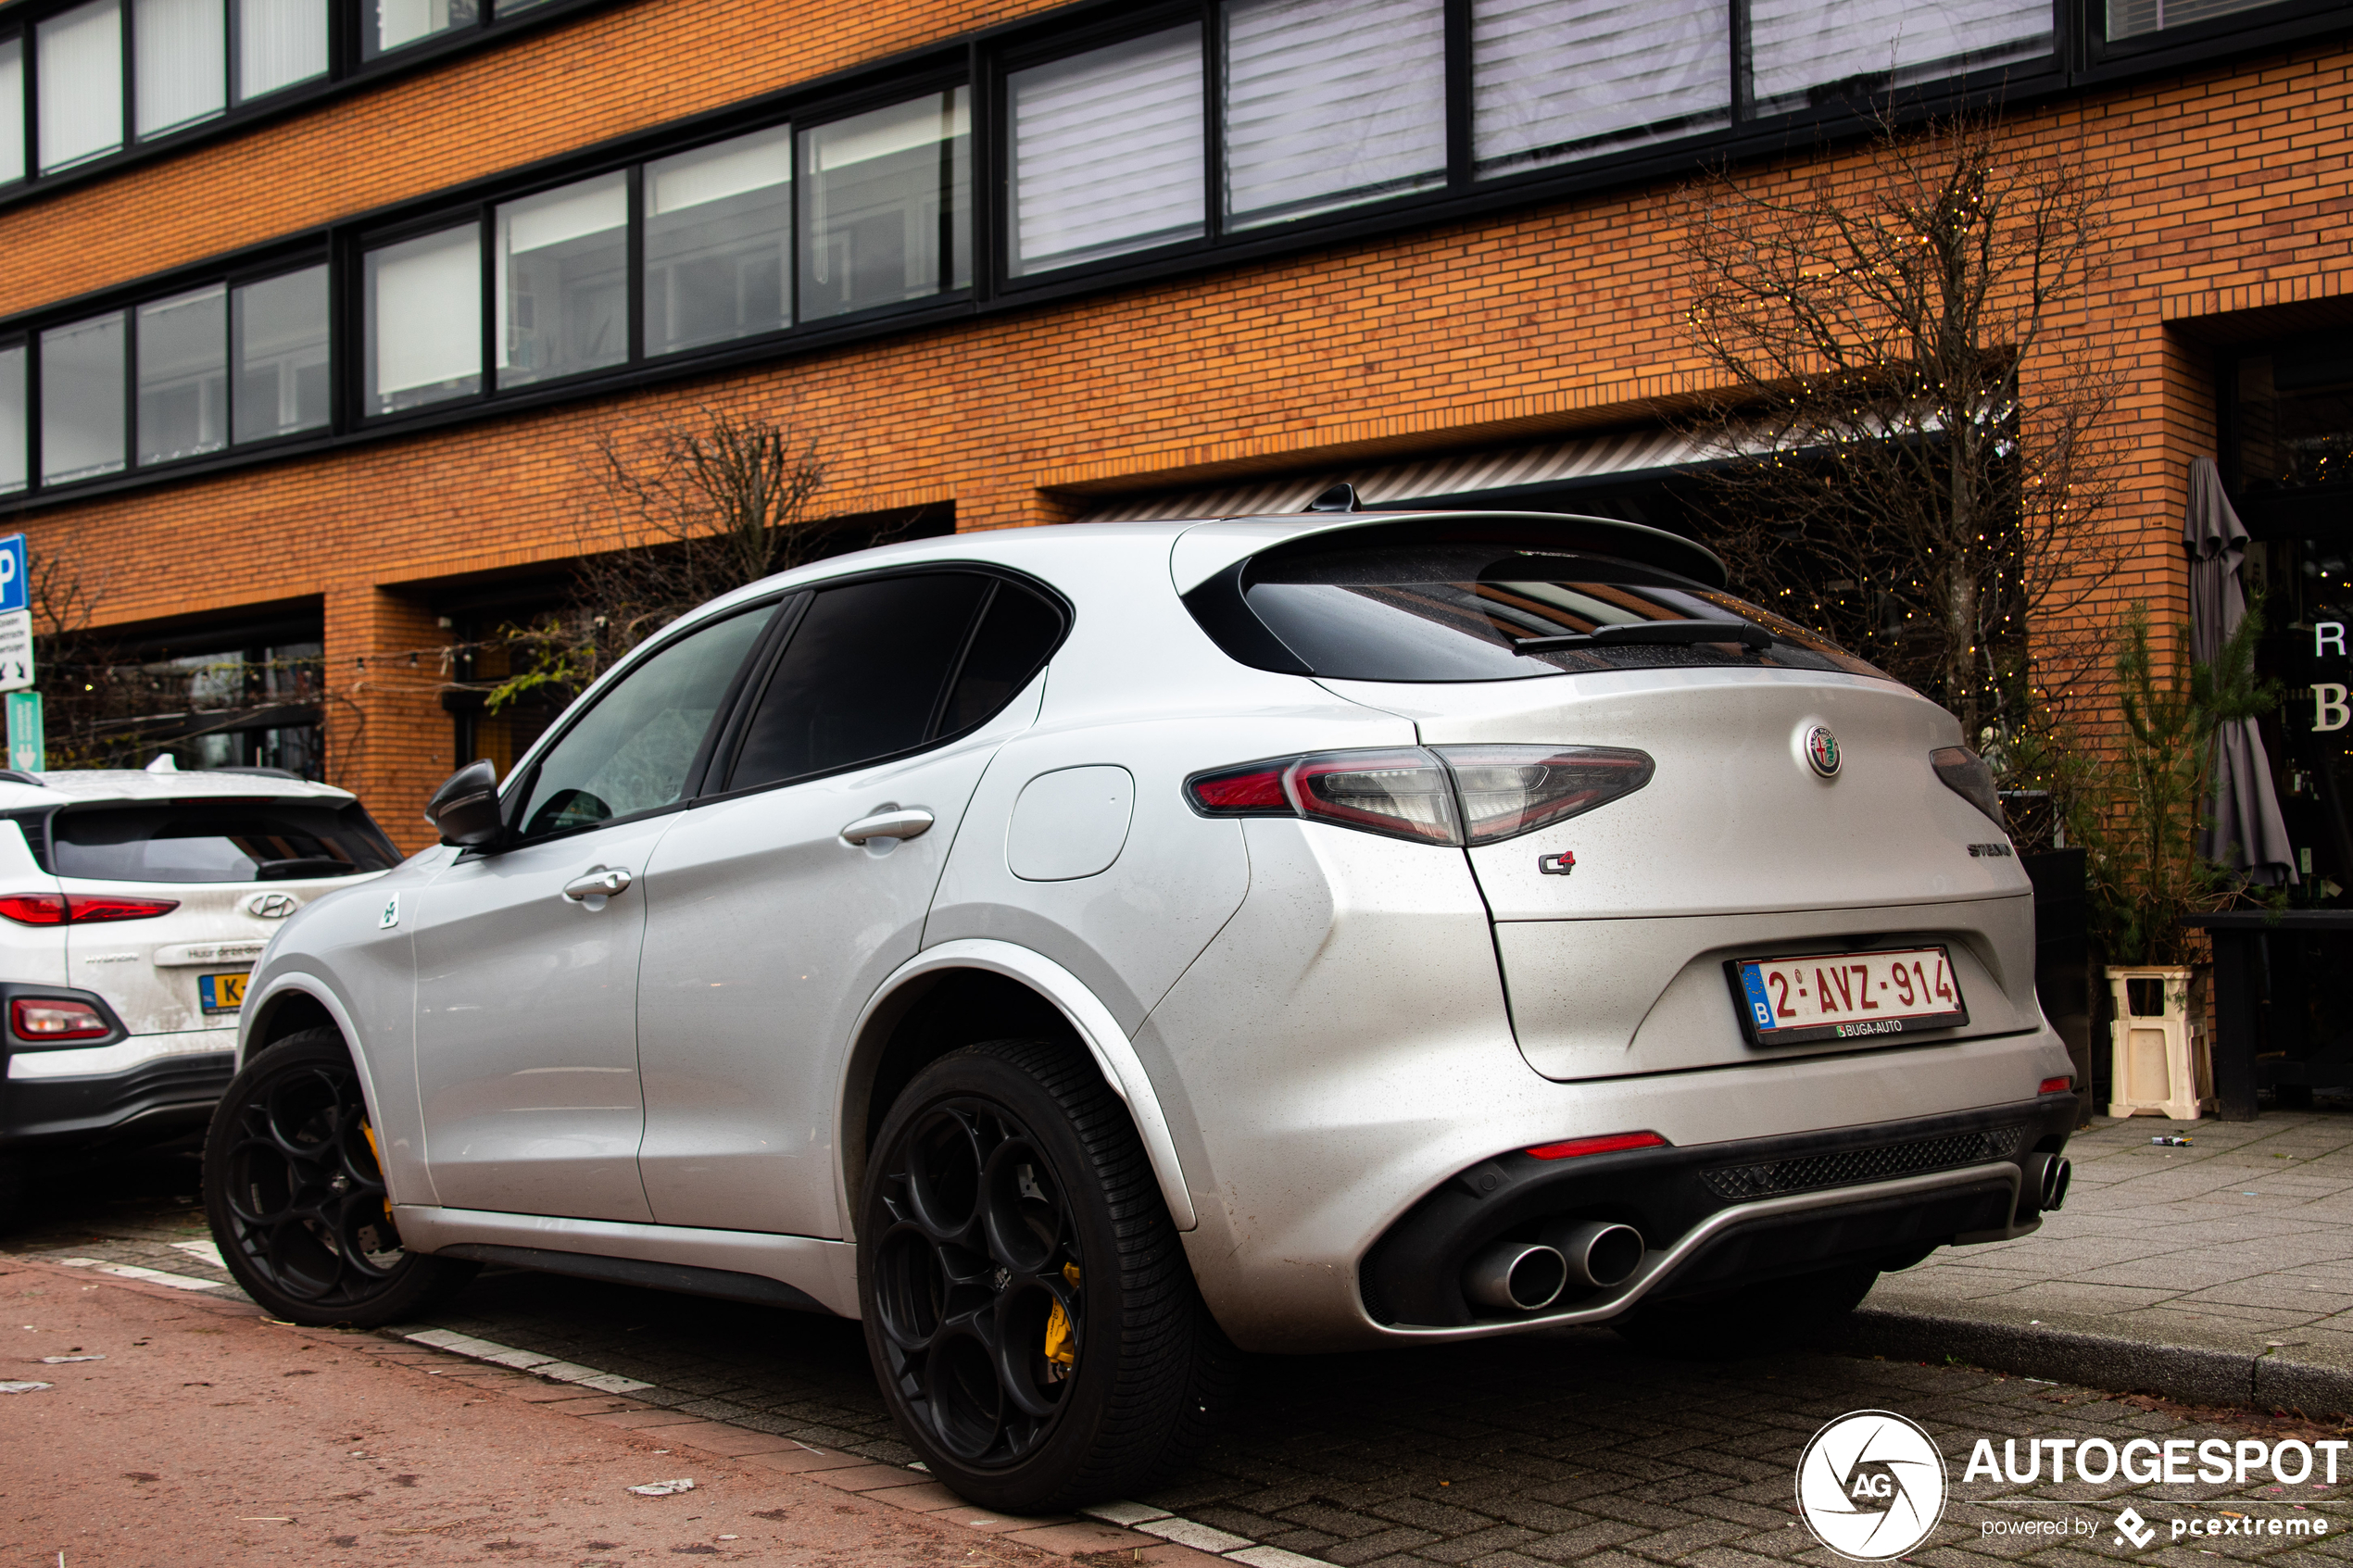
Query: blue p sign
x=12 y=573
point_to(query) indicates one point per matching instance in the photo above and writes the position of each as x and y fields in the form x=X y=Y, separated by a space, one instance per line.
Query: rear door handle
x=598 y=881
x=906 y=822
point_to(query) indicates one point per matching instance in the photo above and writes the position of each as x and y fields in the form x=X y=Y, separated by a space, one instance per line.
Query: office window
x=183 y=375
x=1551 y=82
x=278 y=336
x=389 y=24
x=1332 y=102
x=1805 y=52
x=423 y=324
x=179 y=52
x=82 y=399
x=2128 y=19
x=718 y=241
x=562 y=288
x=1107 y=151
x=13 y=430
x=885 y=205
x=79 y=97
x=280 y=42
x=11 y=108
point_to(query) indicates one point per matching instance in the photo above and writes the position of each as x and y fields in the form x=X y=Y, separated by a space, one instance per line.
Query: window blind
x=80 y=101
x=1332 y=102
x=279 y=44
x=11 y=109
x=13 y=433
x=82 y=399
x=180 y=50
x=1552 y=81
x=757 y=162
x=396 y=23
x=1800 y=49
x=1107 y=154
x=424 y=320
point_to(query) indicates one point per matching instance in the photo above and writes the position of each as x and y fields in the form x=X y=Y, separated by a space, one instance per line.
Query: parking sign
x=12 y=575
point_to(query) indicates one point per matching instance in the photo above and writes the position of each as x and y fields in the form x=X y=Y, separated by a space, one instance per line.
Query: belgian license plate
x=221 y=993
x=1846 y=995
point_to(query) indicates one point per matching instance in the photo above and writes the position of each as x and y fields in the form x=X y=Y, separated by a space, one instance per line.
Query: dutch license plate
x=1846 y=995
x=221 y=993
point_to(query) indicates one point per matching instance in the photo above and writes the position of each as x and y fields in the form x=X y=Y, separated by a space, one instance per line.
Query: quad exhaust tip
x=1527 y=1276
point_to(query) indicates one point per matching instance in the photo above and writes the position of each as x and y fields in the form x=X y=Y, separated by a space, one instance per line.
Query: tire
x=1008 y=1183
x=1755 y=1320
x=297 y=1201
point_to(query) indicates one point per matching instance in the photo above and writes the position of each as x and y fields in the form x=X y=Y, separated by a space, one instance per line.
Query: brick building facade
x=1480 y=291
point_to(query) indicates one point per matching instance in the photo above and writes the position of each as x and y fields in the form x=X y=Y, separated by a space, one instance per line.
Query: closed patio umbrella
x=2244 y=829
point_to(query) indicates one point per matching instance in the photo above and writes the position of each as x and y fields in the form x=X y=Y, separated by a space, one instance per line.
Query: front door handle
x=598 y=882
x=905 y=822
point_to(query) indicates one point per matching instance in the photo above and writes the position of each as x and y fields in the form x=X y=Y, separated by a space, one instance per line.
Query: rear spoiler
x=1210 y=548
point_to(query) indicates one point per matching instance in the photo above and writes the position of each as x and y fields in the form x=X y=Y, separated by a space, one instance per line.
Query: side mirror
x=465 y=810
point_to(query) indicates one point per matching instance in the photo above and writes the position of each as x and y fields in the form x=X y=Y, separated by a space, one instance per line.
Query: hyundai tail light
x=56 y=1018
x=1452 y=795
x=2056 y=1086
x=1608 y=1142
x=80 y=908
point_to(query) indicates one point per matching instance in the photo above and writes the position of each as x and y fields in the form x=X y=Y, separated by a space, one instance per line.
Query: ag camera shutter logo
x=1871 y=1485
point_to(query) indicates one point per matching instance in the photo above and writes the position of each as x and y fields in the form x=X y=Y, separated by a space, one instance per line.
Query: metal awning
x=1594 y=457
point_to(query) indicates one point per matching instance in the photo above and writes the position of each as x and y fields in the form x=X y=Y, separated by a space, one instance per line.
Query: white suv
x=1075 y=951
x=132 y=906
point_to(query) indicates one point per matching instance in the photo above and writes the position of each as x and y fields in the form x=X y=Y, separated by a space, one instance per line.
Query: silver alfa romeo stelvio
x=1078 y=952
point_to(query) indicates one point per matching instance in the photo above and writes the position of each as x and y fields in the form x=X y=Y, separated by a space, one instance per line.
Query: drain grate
x=1805 y=1172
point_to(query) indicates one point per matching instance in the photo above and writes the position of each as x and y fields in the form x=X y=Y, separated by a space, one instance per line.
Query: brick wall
x=1544 y=320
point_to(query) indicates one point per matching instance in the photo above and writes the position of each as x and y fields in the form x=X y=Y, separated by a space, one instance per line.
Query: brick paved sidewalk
x=2222 y=1270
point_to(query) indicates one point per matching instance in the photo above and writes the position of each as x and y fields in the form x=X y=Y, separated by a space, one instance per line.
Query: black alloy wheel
x=297 y=1195
x=1027 y=1304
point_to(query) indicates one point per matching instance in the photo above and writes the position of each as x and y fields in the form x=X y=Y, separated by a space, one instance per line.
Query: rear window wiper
x=1635 y=634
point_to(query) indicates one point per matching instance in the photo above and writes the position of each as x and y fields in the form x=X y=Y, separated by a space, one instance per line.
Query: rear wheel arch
x=965 y=992
x=287 y=1012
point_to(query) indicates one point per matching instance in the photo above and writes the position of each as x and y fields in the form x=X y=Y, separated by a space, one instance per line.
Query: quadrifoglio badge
x=1872 y=1485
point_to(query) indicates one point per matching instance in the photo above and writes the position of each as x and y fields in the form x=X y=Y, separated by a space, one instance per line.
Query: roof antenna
x=1341 y=497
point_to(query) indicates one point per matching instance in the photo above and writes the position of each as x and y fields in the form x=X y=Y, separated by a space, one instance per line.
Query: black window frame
x=981 y=61
x=346 y=71
x=766 y=659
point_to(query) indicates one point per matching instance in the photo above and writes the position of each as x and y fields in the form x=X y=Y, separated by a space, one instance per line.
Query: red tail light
x=54 y=1018
x=33 y=909
x=1452 y=794
x=80 y=908
x=2056 y=1086
x=1608 y=1142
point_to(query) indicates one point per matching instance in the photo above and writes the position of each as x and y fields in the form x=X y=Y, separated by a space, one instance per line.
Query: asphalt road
x=1556 y=1449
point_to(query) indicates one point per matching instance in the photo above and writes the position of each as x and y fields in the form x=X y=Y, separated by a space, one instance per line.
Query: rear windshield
x=1453 y=613
x=233 y=841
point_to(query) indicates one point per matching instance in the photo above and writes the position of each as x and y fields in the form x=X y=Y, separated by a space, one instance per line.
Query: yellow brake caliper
x=1061 y=1349
x=370 y=1134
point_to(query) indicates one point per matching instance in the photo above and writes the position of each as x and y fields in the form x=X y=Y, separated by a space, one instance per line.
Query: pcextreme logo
x=1871 y=1485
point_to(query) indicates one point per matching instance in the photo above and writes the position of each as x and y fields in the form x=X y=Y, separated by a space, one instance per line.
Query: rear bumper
x=132 y=1090
x=1721 y=1215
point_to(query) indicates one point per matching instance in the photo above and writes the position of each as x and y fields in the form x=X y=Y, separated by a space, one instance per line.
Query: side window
x=631 y=752
x=884 y=667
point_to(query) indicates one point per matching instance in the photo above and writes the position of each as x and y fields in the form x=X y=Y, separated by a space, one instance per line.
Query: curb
x=2193 y=1373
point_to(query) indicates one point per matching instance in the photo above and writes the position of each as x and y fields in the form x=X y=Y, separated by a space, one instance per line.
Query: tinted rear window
x=1454 y=612
x=246 y=841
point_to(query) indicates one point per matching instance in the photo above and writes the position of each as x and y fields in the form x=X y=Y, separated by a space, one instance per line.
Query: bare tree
x=1915 y=459
x=689 y=510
